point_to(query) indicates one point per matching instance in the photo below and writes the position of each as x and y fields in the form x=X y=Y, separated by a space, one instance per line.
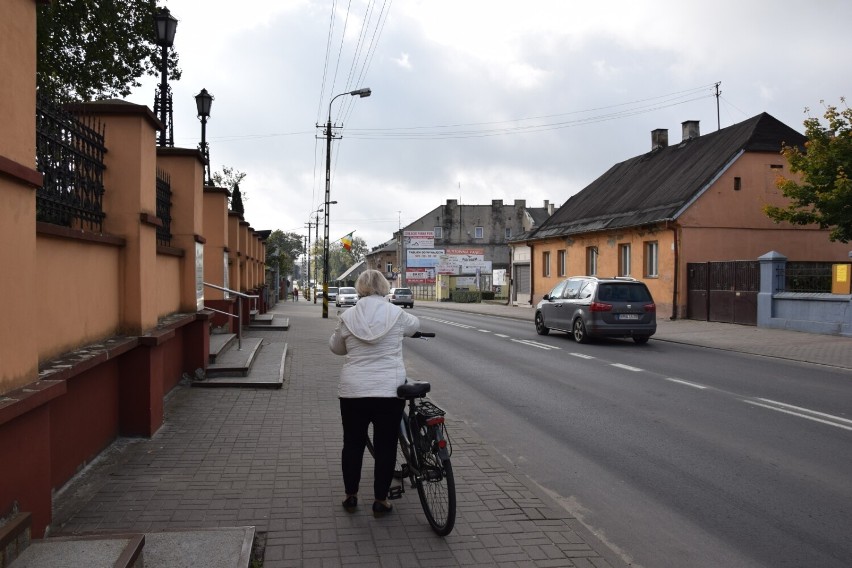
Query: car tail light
x=650 y=307
x=600 y=307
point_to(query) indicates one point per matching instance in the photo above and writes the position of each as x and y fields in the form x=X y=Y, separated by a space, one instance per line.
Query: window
x=738 y=183
x=477 y=232
x=545 y=264
x=624 y=260
x=560 y=263
x=508 y=233
x=389 y=267
x=652 y=259
x=591 y=261
x=439 y=232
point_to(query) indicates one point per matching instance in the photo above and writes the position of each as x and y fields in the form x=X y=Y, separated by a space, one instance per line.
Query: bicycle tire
x=436 y=485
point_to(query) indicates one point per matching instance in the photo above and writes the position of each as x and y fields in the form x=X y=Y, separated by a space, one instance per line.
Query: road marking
x=532 y=343
x=626 y=367
x=449 y=322
x=501 y=335
x=484 y=330
x=687 y=383
x=805 y=413
x=582 y=355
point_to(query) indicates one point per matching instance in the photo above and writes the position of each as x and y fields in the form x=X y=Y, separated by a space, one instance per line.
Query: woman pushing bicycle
x=370 y=336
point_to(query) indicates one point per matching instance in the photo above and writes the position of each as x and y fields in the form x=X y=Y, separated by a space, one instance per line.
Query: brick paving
x=232 y=457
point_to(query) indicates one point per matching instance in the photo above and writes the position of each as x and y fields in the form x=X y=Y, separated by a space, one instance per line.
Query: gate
x=723 y=291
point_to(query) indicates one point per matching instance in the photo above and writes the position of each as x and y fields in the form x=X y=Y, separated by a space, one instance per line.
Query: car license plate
x=629 y=316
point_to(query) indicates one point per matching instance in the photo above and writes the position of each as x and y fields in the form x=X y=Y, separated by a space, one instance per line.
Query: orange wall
x=18 y=86
x=77 y=285
x=168 y=284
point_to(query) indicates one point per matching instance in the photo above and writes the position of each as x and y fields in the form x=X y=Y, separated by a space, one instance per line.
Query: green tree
x=97 y=49
x=340 y=260
x=824 y=197
x=289 y=246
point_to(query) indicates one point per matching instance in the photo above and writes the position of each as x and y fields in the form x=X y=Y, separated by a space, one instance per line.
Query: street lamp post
x=365 y=92
x=165 y=26
x=203 y=102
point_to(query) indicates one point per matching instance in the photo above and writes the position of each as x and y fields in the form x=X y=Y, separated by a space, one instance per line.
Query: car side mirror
x=546 y=297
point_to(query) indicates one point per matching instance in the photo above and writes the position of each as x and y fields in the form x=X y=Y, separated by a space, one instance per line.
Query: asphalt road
x=675 y=455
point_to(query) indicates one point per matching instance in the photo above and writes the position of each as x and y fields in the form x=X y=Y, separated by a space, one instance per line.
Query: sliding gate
x=723 y=291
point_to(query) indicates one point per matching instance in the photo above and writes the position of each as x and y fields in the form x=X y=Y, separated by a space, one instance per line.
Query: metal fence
x=70 y=155
x=807 y=277
x=164 y=208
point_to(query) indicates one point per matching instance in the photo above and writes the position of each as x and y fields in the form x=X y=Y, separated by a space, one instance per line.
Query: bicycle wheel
x=436 y=485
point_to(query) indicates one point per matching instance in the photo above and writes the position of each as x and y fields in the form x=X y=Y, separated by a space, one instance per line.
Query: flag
x=347 y=241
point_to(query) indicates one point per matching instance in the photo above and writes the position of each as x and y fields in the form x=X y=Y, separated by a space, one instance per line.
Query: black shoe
x=351 y=503
x=380 y=509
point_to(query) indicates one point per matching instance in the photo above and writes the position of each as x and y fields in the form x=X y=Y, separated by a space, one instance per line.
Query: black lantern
x=165 y=26
x=203 y=102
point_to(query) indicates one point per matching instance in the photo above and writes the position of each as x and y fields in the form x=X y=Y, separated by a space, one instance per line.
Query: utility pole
x=308 y=254
x=718 y=120
x=316 y=264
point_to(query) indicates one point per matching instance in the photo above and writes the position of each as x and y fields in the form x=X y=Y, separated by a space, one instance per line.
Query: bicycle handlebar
x=423 y=334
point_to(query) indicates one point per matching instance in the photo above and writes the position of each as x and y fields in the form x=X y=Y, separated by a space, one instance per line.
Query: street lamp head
x=165 y=26
x=365 y=92
x=203 y=102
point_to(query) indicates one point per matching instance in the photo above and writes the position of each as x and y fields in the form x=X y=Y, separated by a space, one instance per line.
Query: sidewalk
x=234 y=457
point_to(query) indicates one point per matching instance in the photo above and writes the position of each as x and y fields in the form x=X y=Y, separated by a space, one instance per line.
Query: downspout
x=532 y=273
x=676 y=269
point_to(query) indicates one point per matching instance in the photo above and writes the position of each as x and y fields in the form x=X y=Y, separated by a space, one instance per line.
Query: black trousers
x=357 y=414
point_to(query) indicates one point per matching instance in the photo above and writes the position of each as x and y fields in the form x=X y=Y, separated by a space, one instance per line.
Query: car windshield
x=623 y=293
x=347 y=291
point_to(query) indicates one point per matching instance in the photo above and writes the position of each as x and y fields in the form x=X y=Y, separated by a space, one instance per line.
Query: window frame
x=439 y=232
x=592 y=255
x=478 y=233
x=545 y=264
x=624 y=259
x=651 y=264
x=561 y=262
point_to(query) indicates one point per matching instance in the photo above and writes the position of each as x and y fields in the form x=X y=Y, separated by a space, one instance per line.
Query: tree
x=825 y=195
x=100 y=49
x=340 y=260
x=230 y=178
x=289 y=247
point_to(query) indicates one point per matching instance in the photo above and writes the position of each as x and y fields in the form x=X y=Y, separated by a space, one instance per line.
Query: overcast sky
x=479 y=99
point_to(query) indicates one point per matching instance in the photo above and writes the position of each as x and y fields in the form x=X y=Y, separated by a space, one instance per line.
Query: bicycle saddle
x=413 y=389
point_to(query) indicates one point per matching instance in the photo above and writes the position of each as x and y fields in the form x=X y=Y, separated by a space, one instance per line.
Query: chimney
x=659 y=138
x=496 y=203
x=690 y=129
x=520 y=203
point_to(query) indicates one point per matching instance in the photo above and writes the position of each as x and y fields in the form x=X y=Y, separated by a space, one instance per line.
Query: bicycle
x=423 y=455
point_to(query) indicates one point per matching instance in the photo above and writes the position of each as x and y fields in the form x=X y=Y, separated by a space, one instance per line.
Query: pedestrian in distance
x=370 y=336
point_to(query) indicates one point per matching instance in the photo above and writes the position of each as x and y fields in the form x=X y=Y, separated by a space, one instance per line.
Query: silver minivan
x=587 y=306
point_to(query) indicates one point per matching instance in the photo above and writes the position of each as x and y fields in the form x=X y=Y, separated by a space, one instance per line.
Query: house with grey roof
x=696 y=201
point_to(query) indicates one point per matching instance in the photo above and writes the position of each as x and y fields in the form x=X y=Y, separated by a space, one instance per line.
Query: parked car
x=332 y=293
x=586 y=307
x=346 y=297
x=401 y=297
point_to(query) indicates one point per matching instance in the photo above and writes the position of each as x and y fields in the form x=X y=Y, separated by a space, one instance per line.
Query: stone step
x=219 y=343
x=227 y=547
x=102 y=551
x=271 y=322
x=236 y=359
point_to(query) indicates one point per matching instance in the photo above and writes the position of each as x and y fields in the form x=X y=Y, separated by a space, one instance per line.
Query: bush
x=464 y=296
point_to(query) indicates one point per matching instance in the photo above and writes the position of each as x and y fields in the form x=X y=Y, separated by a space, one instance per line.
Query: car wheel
x=579 y=328
x=540 y=328
x=641 y=339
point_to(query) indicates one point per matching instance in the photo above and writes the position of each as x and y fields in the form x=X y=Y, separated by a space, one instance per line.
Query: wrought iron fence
x=808 y=277
x=70 y=155
x=164 y=208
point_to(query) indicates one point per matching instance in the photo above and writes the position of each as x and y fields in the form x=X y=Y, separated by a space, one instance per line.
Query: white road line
x=687 y=383
x=582 y=355
x=484 y=330
x=501 y=335
x=626 y=367
x=807 y=410
x=535 y=344
x=832 y=420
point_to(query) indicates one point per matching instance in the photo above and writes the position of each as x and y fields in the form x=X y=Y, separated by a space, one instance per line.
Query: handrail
x=252 y=297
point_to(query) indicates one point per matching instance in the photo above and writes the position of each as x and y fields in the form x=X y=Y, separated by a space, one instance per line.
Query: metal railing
x=807 y=277
x=70 y=154
x=164 y=208
x=252 y=297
